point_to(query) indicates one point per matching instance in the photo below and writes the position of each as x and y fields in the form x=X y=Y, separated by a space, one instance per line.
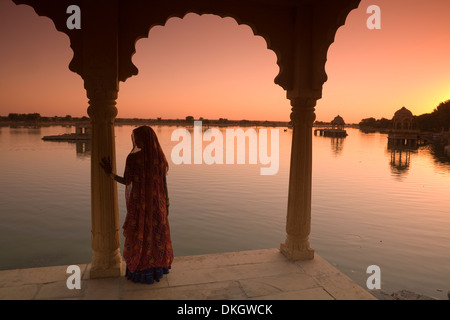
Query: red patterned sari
x=148 y=249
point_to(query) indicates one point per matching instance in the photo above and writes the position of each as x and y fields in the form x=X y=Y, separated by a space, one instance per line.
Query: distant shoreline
x=44 y=122
x=123 y=121
x=205 y=122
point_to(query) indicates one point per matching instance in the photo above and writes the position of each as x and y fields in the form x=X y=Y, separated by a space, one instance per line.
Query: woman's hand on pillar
x=106 y=165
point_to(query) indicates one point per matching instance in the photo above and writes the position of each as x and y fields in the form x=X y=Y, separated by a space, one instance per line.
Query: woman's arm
x=165 y=189
x=107 y=166
x=119 y=179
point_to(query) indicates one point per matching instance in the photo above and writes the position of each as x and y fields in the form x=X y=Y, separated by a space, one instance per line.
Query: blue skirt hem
x=148 y=276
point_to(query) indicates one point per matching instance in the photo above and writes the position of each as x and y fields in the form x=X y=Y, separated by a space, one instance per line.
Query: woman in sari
x=148 y=249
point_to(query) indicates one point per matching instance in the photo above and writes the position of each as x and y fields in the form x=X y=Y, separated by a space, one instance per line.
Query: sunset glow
x=211 y=67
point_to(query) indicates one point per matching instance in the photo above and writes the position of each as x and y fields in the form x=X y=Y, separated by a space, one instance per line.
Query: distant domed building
x=403 y=119
x=338 y=123
x=403 y=133
x=336 y=131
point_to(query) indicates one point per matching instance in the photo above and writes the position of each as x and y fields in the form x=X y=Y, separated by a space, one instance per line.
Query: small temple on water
x=336 y=131
x=403 y=132
x=403 y=139
x=82 y=133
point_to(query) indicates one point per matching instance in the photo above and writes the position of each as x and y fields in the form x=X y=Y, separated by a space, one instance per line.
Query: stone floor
x=257 y=274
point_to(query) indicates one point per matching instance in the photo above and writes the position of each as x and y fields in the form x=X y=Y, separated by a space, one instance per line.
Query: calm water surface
x=366 y=209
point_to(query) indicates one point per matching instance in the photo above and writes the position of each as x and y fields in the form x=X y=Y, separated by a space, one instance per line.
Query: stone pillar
x=298 y=222
x=105 y=236
x=99 y=67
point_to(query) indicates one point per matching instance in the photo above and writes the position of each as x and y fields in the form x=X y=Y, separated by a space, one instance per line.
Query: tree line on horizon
x=36 y=118
x=436 y=121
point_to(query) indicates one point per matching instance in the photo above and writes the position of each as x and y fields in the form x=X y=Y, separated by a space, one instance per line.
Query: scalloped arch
x=330 y=36
x=251 y=26
x=51 y=10
x=276 y=21
x=128 y=69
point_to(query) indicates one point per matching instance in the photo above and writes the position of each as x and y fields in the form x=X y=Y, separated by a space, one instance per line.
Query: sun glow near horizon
x=224 y=73
x=211 y=67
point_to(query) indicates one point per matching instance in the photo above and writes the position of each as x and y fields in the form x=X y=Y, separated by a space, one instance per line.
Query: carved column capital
x=102 y=110
x=102 y=101
x=303 y=111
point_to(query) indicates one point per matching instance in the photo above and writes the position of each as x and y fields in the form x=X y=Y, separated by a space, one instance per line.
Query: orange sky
x=210 y=67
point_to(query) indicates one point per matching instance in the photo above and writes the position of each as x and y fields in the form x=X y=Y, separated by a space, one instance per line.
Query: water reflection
x=400 y=157
x=83 y=148
x=22 y=130
x=337 y=146
x=34 y=130
x=353 y=194
x=337 y=143
x=400 y=161
x=401 y=149
x=439 y=155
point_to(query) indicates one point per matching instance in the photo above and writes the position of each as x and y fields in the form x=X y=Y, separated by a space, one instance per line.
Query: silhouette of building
x=403 y=139
x=299 y=32
x=83 y=128
x=402 y=120
x=336 y=131
x=403 y=132
x=338 y=123
x=82 y=133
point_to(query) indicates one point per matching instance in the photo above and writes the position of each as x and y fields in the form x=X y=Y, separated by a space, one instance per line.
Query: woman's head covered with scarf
x=145 y=140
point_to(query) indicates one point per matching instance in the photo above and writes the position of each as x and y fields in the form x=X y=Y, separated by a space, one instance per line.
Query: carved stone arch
x=56 y=12
x=332 y=16
x=298 y=31
x=263 y=22
x=293 y=29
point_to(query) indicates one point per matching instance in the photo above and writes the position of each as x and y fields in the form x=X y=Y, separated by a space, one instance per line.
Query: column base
x=297 y=251
x=106 y=265
x=114 y=272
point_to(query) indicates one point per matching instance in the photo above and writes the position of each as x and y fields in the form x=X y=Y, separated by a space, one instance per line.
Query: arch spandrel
x=56 y=11
x=301 y=54
x=331 y=15
x=272 y=22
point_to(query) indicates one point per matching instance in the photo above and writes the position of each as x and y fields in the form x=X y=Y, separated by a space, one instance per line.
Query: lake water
x=366 y=210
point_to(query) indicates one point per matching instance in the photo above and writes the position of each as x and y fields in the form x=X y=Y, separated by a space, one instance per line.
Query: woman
x=148 y=249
